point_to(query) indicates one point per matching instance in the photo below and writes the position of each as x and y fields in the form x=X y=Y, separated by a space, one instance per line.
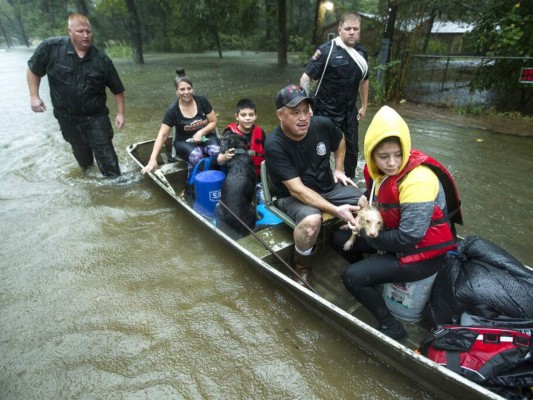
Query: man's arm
x=338 y=174
x=34 y=82
x=308 y=196
x=305 y=83
x=364 y=88
x=338 y=155
x=121 y=107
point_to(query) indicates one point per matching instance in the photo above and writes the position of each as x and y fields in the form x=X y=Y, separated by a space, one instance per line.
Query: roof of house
x=451 y=27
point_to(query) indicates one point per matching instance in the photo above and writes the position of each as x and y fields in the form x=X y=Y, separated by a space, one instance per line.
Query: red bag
x=480 y=354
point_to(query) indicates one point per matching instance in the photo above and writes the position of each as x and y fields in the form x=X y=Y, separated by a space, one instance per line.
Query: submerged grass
x=479 y=110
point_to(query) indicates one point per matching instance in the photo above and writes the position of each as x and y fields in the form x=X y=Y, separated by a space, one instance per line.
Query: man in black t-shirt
x=297 y=155
x=78 y=74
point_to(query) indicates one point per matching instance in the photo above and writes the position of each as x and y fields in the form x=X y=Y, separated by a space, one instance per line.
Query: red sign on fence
x=526 y=75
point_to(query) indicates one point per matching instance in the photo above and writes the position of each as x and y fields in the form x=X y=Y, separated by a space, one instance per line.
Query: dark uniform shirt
x=338 y=91
x=77 y=85
x=308 y=158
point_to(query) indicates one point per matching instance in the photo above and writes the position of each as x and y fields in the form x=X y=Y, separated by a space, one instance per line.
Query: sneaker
x=393 y=329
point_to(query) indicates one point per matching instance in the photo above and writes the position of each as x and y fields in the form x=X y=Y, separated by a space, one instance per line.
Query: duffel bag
x=523 y=325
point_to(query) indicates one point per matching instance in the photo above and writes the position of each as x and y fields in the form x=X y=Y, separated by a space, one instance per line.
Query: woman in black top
x=195 y=122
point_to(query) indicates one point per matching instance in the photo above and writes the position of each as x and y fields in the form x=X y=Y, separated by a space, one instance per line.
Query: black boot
x=392 y=328
x=302 y=266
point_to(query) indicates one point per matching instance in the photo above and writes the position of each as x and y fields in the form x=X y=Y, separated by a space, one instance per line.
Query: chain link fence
x=445 y=81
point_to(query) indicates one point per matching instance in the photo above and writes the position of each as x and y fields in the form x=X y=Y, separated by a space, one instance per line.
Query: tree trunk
x=282 y=25
x=22 y=30
x=5 y=34
x=19 y=23
x=320 y=14
x=270 y=14
x=135 y=29
x=428 y=31
x=217 y=40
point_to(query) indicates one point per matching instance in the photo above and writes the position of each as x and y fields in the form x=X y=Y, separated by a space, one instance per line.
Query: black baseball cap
x=291 y=96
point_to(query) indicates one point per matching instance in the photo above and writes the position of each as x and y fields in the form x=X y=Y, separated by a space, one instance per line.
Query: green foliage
x=491 y=111
x=504 y=28
x=512 y=115
x=110 y=21
x=238 y=41
x=437 y=47
x=367 y=6
x=472 y=109
x=35 y=19
x=380 y=93
x=182 y=45
x=118 y=49
x=301 y=45
x=112 y=8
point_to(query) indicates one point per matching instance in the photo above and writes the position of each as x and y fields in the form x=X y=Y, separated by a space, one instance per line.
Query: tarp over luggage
x=481 y=279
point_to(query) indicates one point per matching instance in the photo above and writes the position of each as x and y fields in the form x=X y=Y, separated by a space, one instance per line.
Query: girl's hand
x=151 y=166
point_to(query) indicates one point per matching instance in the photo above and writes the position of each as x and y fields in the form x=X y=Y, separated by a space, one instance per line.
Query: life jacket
x=440 y=236
x=493 y=357
x=256 y=144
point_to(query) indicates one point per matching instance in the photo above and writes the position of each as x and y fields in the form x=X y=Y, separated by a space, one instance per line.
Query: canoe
x=270 y=247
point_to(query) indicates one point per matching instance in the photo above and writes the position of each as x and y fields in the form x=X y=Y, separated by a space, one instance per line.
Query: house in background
x=451 y=33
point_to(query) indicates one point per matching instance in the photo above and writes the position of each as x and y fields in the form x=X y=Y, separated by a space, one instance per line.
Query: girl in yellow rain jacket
x=418 y=201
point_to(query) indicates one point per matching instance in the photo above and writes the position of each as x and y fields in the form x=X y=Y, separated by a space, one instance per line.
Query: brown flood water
x=109 y=291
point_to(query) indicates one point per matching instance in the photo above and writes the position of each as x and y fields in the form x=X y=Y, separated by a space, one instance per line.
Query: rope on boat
x=285 y=263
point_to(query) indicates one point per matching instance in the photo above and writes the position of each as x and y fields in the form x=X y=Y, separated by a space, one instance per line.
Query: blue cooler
x=207 y=188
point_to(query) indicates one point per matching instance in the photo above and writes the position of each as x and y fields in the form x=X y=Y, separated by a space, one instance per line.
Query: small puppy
x=238 y=189
x=368 y=219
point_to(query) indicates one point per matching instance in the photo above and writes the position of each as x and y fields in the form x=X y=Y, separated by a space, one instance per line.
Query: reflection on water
x=109 y=291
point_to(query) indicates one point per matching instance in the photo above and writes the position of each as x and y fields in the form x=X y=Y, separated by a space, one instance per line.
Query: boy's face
x=245 y=119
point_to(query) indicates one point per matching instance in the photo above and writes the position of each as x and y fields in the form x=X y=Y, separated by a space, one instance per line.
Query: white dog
x=368 y=219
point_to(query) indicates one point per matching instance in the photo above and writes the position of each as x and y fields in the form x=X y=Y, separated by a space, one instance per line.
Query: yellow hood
x=387 y=122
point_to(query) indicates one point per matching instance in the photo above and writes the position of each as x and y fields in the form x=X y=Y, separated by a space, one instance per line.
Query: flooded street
x=109 y=291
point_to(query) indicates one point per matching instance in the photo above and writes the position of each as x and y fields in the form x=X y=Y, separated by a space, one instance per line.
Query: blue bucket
x=207 y=188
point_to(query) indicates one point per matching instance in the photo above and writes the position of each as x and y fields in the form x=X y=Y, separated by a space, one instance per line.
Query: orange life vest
x=257 y=142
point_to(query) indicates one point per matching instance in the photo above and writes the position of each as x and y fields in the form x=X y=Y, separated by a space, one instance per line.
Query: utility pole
x=388 y=33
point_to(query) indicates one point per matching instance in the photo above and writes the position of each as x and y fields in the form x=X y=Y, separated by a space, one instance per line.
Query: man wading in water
x=78 y=74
